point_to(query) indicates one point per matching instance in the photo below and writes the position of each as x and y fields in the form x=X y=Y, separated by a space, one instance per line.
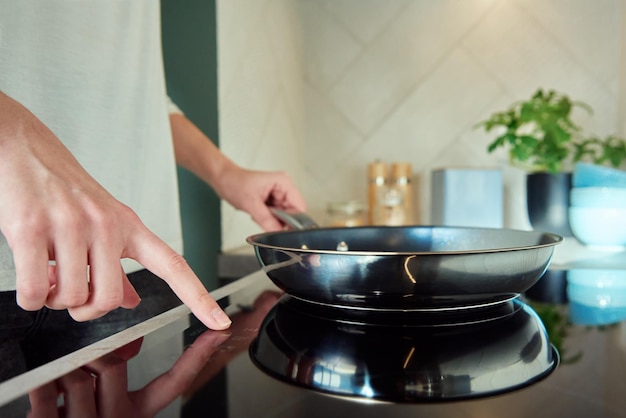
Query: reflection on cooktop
x=415 y=358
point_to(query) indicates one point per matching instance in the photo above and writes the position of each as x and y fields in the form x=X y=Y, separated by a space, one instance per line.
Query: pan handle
x=296 y=220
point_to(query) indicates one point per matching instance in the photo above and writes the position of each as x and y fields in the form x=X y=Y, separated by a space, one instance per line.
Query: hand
x=100 y=389
x=255 y=192
x=247 y=190
x=52 y=209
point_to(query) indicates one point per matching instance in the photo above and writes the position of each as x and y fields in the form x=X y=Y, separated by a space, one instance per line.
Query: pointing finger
x=160 y=259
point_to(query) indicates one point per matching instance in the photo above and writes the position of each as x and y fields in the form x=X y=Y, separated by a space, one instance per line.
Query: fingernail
x=221 y=318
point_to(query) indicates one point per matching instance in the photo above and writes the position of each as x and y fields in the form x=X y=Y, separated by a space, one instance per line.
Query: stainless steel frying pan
x=404 y=268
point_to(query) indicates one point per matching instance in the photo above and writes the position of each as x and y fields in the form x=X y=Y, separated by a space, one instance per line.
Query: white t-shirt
x=92 y=71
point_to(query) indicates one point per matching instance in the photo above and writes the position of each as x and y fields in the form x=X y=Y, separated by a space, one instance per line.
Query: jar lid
x=377 y=169
x=400 y=170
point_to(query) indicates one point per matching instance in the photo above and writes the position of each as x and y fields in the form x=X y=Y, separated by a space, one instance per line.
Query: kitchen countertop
x=588 y=382
x=570 y=254
x=237 y=262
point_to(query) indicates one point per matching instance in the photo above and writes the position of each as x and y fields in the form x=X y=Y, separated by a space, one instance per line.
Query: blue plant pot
x=547 y=199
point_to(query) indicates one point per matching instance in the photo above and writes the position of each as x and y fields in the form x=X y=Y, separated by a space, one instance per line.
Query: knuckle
x=205 y=299
x=177 y=263
x=108 y=217
x=74 y=298
x=68 y=217
x=101 y=219
x=34 y=225
x=109 y=302
x=31 y=296
x=125 y=214
x=98 y=306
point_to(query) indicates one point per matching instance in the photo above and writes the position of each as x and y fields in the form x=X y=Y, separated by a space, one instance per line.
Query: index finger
x=163 y=261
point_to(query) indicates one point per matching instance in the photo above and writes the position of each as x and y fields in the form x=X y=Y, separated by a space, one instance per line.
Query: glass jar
x=390 y=210
x=348 y=213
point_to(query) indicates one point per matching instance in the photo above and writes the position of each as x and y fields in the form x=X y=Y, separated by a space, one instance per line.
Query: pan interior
x=412 y=239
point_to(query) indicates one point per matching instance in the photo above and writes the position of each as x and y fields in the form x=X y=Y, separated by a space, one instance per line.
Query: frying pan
x=400 y=268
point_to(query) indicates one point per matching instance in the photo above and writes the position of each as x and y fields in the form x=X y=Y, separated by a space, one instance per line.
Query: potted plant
x=610 y=150
x=542 y=139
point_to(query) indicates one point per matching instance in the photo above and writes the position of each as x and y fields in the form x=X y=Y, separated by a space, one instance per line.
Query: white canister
x=467 y=197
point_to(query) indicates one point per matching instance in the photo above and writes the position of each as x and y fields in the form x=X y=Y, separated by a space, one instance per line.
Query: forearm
x=16 y=122
x=27 y=145
x=251 y=191
x=9 y=121
x=196 y=152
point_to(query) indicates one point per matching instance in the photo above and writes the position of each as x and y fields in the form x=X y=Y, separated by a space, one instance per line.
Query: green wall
x=190 y=55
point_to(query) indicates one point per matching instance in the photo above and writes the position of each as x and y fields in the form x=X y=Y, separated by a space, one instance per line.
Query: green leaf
x=540 y=134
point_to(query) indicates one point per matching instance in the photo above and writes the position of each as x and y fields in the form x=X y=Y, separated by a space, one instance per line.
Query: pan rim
x=554 y=240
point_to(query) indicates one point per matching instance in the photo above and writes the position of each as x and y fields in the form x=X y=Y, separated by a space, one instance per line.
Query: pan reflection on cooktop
x=427 y=357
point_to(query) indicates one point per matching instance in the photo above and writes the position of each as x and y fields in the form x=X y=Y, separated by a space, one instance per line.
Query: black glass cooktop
x=283 y=358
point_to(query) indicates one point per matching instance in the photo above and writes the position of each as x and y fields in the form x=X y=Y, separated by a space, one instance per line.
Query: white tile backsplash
x=320 y=88
x=441 y=108
x=586 y=22
x=365 y=19
x=237 y=23
x=329 y=47
x=330 y=138
x=400 y=59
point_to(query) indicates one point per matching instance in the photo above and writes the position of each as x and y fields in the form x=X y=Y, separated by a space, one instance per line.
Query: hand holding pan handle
x=295 y=220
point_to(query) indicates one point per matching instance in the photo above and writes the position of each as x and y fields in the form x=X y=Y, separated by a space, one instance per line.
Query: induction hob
x=190 y=371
